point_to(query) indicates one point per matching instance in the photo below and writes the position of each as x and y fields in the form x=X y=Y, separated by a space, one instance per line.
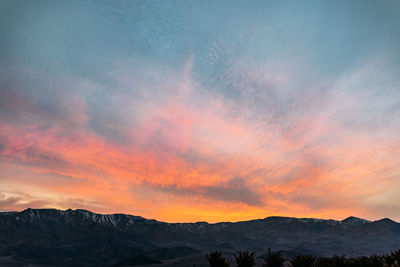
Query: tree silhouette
x=245 y=259
x=303 y=260
x=273 y=259
x=215 y=259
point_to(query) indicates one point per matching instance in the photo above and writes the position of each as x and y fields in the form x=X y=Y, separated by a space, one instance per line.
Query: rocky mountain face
x=82 y=238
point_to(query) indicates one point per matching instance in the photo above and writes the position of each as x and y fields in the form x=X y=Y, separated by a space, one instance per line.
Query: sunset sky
x=201 y=110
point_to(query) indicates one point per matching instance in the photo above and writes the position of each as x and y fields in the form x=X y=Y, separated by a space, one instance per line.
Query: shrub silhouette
x=389 y=260
x=303 y=260
x=375 y=260
x=395 y=255
x=215 y=259
x=364 y=261
x=273 y=259
x=245 y=259
x=335 y=261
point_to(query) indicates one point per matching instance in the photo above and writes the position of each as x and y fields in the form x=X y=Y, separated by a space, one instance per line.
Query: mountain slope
x=80 y=237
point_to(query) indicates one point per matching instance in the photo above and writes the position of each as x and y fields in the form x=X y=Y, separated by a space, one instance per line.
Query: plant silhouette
x=273 y=259
x=215 y=259
x=303 y=260
x=364 y=261
x=395 y=255
x=245 y=259
x=335 y=261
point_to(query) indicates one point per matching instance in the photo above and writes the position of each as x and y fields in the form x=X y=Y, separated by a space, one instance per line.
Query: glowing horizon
x=180 y=111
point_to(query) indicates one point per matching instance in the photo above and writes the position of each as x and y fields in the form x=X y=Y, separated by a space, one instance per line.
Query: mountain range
x=49 y=237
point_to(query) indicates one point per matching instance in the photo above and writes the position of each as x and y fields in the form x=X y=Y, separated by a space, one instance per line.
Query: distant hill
x=82 y=238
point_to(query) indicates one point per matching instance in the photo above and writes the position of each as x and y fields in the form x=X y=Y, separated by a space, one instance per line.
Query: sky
x=213 y=111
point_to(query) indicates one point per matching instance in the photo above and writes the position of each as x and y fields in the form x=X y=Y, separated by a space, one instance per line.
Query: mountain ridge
x=58 y=237
x=348 y=219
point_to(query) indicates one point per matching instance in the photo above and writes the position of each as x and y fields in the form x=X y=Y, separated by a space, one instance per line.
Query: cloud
x=30 y=96
x=10 y=201
x=234 y=190
x=17 y=201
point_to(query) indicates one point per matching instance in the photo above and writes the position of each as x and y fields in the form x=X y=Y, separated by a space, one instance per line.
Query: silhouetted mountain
x=354 y=220
x=80 y=237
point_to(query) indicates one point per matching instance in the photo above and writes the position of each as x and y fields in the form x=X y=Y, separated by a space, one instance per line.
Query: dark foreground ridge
x=82 y=238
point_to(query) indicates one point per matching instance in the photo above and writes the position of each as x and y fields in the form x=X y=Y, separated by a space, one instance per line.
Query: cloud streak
x=234 y=190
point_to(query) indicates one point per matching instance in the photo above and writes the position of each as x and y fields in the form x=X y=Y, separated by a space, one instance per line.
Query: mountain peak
x=386 y=221
x=354 y=220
